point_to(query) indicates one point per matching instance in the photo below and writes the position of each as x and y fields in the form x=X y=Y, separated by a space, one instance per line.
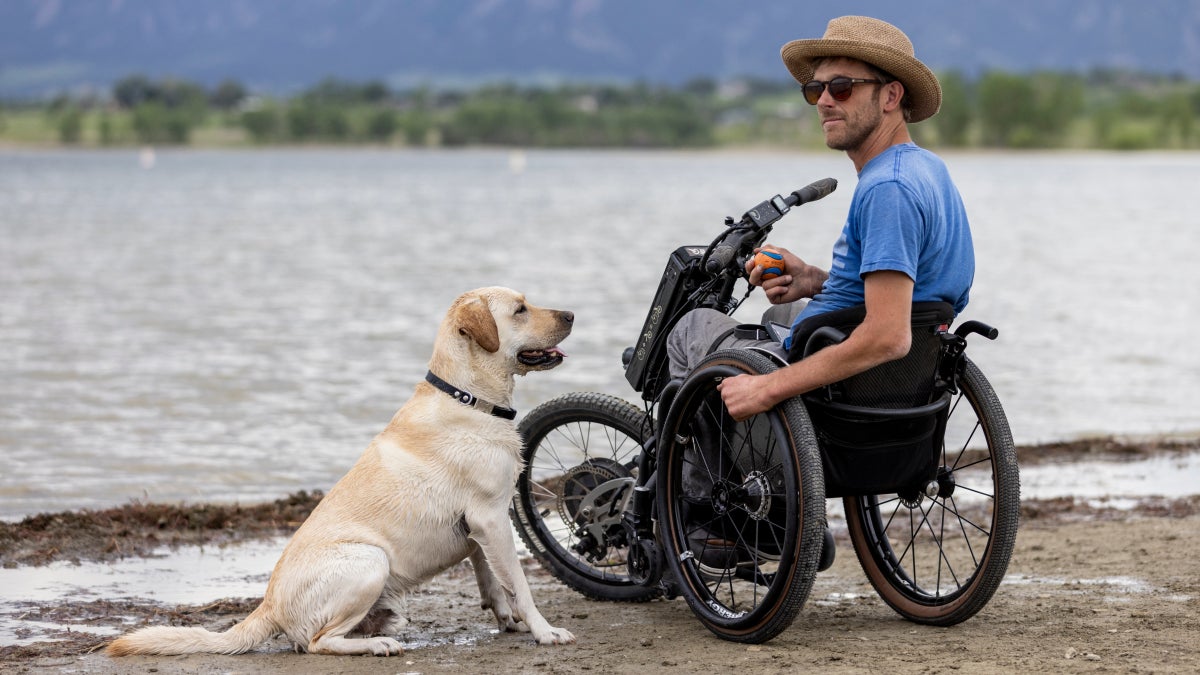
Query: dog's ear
x=476 y=321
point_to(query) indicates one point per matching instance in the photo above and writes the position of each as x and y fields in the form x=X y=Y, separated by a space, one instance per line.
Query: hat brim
x=918 y=80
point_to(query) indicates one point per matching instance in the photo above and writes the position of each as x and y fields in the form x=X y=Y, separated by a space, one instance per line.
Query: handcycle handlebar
x=705 y=277
x=756 y=221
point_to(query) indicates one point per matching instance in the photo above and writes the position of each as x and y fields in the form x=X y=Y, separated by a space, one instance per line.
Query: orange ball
x=771 y=263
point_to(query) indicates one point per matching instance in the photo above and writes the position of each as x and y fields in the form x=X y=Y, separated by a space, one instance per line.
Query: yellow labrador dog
x=432 y=489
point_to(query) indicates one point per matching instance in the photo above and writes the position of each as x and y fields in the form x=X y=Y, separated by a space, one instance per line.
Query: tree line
x=1100 y=109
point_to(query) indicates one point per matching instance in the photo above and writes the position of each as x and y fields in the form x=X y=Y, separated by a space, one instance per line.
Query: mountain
x=278 y=46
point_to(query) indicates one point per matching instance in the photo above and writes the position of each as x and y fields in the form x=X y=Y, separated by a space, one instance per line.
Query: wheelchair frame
x=603 y=503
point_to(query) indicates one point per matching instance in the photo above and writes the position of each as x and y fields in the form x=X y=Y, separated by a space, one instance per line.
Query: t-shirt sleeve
x=892 y=228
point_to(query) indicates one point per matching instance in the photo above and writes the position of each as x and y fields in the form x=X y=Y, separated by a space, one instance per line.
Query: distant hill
x=278 y=46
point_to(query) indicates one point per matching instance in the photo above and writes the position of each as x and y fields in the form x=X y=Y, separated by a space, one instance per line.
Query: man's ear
x=475 y=321
x=895 y=94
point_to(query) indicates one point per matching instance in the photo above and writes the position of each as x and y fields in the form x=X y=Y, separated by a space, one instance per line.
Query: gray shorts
x=698 y=334
x=704 y=331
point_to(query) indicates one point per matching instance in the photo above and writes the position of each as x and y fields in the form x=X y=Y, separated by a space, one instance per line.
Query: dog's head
x=500 y=328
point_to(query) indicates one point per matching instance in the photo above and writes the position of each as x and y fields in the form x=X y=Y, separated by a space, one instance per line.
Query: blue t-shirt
x=905 y=216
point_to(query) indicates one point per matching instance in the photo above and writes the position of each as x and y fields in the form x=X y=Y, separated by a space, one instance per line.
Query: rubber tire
x=793 y=467
x=971 y=553
x=576 y=416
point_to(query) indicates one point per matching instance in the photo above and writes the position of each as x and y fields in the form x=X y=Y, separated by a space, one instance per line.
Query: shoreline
x=137 y=528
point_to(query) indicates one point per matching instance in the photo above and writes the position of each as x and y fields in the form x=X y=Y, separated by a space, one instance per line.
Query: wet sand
x=1089 y=589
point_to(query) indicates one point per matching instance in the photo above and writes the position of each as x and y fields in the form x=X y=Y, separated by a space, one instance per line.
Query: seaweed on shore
x=138 y=528
x=1106 y=447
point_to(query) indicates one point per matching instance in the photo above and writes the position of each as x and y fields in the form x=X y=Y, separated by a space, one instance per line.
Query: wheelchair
x=679 y=499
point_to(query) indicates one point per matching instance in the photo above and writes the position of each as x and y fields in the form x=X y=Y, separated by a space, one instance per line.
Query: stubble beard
x=856 y=129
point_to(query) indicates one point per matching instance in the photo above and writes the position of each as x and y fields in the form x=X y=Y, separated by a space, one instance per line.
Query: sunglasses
x=840 y=88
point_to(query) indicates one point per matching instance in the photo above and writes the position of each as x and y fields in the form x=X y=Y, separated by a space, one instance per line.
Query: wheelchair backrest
x=904 y=383
x=880 y=431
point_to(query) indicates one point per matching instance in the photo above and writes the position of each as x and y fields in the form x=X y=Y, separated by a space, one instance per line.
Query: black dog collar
x=467 y=398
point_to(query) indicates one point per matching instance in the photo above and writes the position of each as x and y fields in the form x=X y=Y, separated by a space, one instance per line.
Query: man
x=906 y=237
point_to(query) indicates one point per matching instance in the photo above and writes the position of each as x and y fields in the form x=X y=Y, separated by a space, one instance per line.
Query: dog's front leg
x=492 y=595
x=494 y=536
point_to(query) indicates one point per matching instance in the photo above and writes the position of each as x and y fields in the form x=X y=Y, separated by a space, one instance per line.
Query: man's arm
x=885 y=335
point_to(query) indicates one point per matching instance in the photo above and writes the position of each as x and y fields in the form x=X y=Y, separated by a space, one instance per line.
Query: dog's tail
x=171 y=640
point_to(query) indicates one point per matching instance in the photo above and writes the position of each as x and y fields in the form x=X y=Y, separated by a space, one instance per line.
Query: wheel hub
x=721 y=499
x=758 y=495
x=592 y=498
x=946 y=483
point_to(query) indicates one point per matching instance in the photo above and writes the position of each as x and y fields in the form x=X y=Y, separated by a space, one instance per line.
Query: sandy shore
x=1087 y=591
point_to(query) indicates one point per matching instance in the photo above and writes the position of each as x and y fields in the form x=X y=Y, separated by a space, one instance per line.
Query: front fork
x=645 y=561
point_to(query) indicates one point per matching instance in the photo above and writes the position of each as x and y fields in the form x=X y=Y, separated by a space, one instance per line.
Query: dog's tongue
x=548 y=351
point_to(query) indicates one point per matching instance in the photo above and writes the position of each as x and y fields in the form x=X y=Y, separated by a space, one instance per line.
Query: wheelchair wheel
x=579 y=453
x=938 y=560
x=741 y=505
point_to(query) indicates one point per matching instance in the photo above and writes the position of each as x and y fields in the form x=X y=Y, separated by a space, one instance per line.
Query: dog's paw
x=385 y=646
x=505 y=621
x=556 y=636
x=511 y=625
x=395 y=625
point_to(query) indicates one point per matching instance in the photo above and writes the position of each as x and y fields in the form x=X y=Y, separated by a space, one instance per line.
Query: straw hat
x=878 y=43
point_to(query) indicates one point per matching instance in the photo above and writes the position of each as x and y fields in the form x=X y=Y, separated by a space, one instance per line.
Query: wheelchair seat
x=881 y=431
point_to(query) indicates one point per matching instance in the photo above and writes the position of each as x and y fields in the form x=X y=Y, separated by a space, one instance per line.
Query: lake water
x=237 y=325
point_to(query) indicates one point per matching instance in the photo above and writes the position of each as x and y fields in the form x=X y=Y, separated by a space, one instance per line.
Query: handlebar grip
x=815 y=190
x=720 y=258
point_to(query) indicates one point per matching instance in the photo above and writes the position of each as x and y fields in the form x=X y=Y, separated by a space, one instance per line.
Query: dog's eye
x=520 y=310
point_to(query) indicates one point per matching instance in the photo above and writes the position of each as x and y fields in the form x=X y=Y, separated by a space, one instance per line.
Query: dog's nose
x=567 y=317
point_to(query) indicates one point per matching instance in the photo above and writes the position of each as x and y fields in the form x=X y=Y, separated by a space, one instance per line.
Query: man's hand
x=745 y=396
x=799 y=279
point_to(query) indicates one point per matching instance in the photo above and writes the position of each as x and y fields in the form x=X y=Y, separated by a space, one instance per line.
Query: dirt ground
x=1088 y=591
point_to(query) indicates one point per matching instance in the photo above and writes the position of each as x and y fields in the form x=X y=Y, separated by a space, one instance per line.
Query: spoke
x=967 y=537
x=888 y=525
x=586 y=435
x=987 y=459
x=887 y=529
x=541 y=490
x=966 y=519
x=939 y=542
x=552 y=447
x=963 y=449
x=941 y=538
x=773 y=529
x=622 y=447
x=698 y=450
x=968 y=488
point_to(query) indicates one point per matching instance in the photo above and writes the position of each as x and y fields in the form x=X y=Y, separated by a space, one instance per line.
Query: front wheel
x=580 y=454
x=938 y=560
x=741 y=504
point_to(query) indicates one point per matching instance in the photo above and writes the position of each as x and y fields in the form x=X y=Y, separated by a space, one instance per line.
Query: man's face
x=848 y=124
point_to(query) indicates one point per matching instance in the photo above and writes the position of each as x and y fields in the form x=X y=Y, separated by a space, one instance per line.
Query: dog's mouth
x=541 y=358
